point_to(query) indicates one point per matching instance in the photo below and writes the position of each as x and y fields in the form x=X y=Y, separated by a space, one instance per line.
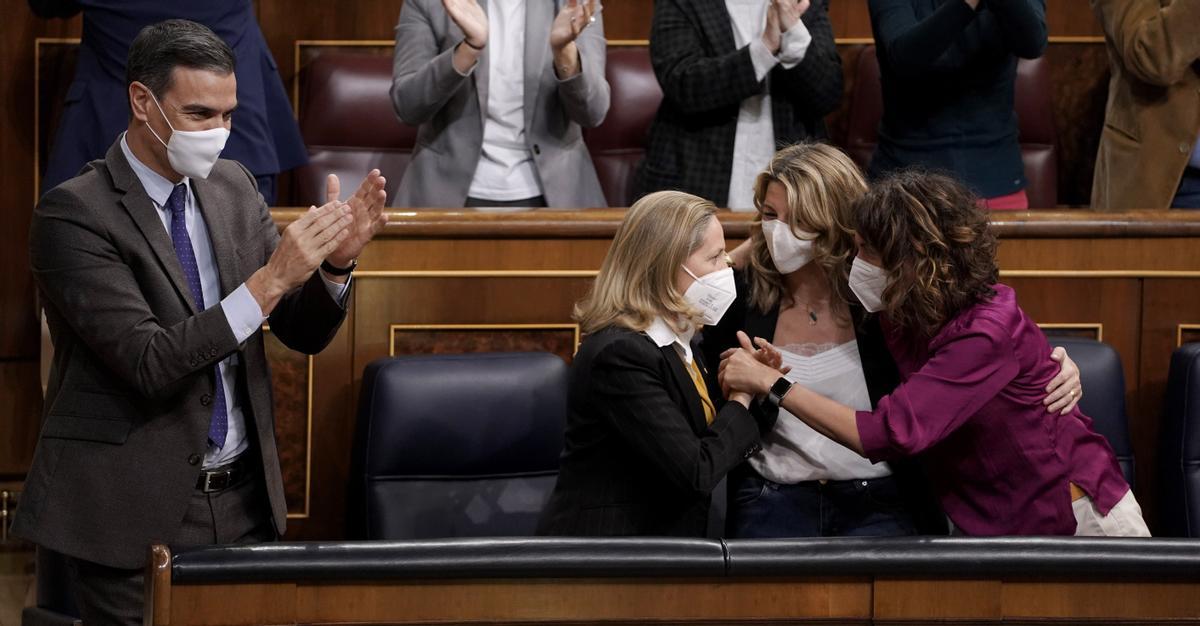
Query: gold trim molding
x=476 y=274
x=1099 y=274
x=1094 y=327
x=1180 y=329
x=392 y=328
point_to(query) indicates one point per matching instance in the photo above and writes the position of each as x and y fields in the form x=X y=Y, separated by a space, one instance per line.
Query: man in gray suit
x=501 y=90
x=157 y=266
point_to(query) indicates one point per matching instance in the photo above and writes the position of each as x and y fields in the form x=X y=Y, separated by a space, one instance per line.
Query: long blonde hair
x=822 y=185
x=637 y=279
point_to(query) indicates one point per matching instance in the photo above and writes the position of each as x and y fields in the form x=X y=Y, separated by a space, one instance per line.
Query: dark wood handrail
x=602 y=223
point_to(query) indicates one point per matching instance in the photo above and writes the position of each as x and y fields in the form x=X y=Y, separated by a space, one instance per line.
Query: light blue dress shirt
x=244 y=315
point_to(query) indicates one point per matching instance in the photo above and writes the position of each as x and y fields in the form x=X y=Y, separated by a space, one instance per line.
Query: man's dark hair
x=160 y=48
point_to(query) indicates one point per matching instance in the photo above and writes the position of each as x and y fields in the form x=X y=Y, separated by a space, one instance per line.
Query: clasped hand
x=748 y=371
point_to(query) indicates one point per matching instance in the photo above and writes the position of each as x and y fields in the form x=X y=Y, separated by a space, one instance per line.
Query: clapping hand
x=789 y=12
x=575 y=16
x=471 y=20
x=366 y=209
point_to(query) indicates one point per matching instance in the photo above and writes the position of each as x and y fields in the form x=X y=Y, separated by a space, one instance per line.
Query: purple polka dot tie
x=218 y=428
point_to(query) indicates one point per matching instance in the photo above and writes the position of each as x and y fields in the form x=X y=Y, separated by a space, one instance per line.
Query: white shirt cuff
x=762 y=58
x=337 y=290
x=243 y=313
x=794 y=45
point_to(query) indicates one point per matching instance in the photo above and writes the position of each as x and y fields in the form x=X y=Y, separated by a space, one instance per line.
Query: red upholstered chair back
x=1035 y=119
x=349 y=126
x=1039 y=138
x=618 y=145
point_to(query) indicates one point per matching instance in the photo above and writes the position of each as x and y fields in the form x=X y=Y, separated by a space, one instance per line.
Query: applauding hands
x=335 y=231
x=782 y=15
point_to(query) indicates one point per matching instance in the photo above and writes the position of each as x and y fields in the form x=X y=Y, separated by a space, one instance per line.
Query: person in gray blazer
x=501 y=91
x=157 y=266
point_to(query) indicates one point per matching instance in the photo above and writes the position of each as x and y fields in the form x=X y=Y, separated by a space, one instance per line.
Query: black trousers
x=240 y=514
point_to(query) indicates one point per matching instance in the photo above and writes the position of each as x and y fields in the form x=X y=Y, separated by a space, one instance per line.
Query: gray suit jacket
x=428 y=92
x=129 y=397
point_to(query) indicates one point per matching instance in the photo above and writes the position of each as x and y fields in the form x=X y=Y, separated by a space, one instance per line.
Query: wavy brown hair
x=822 y=185
x=936 y=244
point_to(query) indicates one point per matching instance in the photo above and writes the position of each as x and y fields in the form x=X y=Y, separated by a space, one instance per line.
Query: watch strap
x=333 y=270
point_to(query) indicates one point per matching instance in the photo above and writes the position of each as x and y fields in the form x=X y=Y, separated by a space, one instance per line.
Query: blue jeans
x=1188 y=196
x=761 y=509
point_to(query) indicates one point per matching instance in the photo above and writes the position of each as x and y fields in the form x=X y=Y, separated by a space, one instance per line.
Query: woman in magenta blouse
x=974 y=368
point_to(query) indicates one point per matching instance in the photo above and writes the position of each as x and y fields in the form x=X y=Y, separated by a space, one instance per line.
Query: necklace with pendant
x=812 y=314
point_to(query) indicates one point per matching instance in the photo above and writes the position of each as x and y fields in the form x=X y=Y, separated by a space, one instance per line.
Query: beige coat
x=1153 y=114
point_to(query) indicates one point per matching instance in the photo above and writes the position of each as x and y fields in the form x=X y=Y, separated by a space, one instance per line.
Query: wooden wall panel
x=1169 y=307
x=20 y=391
x=20 y=415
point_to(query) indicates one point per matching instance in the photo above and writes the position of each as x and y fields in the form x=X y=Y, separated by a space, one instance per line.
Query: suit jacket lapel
x=141 y=208
x=215 y=206
x=538 y=18
x=687 y=389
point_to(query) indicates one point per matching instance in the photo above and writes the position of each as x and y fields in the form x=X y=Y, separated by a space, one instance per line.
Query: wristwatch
x=333 y=270
x=779 y=390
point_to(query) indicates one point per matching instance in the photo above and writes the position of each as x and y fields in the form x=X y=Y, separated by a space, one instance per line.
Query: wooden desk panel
x=667 y=601
x=509 y=281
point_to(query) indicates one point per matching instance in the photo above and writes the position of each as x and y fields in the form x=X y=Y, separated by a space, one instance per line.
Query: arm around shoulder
x=964 y=373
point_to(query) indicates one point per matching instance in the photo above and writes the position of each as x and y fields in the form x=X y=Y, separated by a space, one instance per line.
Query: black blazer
x=704 y=79
x=638 y=457
x=879 y=370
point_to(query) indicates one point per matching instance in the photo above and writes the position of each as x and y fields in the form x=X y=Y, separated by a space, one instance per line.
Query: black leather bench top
x=533 y=557
x=546 y=557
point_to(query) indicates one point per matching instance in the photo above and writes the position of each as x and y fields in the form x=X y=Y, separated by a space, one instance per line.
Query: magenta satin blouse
x=970 y=405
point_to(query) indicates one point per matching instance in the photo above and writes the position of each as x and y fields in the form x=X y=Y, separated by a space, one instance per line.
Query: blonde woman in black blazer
x=644 y=445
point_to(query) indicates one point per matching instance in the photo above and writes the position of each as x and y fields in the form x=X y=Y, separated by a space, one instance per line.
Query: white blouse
x=793 y=452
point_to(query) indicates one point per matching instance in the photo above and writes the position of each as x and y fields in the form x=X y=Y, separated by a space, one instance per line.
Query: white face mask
x=192 y=153
x=712 y=294
x=788 y=251
x=868 y=282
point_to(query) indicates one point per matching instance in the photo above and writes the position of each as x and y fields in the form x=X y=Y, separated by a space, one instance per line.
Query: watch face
x=780 y=386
